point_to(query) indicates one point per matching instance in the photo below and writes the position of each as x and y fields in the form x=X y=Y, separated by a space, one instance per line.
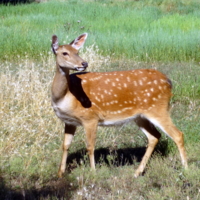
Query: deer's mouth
x=80 y=69
x=83 y=67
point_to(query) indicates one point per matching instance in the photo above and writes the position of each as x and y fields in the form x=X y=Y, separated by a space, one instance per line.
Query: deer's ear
x=79 y=41
x=54 y=44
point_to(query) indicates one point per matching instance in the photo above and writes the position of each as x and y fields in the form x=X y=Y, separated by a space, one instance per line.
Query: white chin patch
x=80 y=68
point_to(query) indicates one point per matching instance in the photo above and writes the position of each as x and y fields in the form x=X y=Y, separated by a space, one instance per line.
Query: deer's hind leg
x=153 y=136
x=165 y=123
x=69 y=134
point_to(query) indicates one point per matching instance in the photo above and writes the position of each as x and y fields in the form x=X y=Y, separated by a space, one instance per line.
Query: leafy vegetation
x=161 y=34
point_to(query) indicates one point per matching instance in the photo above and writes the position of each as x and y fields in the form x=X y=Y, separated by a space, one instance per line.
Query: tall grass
x=137 y=30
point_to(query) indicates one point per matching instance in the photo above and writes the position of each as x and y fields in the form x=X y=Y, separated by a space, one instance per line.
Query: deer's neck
x=60 y=86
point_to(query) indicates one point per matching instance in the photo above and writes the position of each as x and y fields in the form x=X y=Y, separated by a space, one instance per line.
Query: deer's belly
x=115 y=122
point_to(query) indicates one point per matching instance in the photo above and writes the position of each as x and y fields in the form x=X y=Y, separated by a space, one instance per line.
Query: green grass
x=134 y=29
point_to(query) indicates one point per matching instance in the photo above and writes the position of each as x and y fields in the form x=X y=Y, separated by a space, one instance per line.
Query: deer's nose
x=85 y=64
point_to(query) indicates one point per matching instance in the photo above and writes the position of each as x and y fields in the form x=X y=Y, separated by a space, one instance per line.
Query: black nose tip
x=85 y=64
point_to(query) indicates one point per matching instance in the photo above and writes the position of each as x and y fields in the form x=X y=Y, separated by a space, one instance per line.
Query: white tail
x=110 y=98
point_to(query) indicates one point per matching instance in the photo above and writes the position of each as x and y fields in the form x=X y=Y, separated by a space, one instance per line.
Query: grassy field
x=122 y=35
x=162 y=30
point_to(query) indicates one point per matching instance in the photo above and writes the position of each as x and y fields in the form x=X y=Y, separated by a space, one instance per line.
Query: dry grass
x=26 y=117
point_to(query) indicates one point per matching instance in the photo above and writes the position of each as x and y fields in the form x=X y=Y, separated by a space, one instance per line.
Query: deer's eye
x=65 y=54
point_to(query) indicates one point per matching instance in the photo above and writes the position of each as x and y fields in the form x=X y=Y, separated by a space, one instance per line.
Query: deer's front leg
x=69 y=134
x=90 y=130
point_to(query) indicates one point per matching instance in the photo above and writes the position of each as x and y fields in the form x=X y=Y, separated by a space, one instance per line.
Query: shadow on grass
x=62 y=189
x=16 y=2
x=59 y=189
x=114 y=157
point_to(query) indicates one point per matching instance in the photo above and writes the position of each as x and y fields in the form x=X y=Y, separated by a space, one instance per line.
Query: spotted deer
x=90 y=99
